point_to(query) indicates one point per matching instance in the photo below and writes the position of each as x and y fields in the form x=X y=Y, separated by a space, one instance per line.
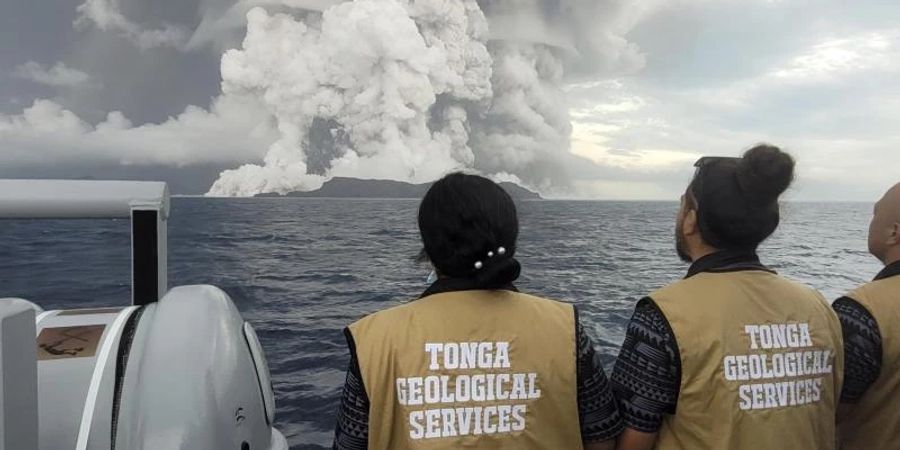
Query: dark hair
x=462 y=219
x=736 y=199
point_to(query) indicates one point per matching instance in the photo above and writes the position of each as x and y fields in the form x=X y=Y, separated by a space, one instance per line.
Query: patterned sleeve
x=597 y=409
x=352 y=430
x=862 y=348
x=647 y=375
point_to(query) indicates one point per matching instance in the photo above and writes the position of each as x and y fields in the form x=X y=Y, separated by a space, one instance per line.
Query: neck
x=893 y=256
x=701 y=252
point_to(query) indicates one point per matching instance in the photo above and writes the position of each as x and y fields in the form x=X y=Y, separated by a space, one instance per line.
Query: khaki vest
x=874 y=423
x=473 y=369
x=761 y=363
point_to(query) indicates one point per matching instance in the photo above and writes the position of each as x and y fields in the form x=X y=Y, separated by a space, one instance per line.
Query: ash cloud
x=411 y=90
x=387 y=89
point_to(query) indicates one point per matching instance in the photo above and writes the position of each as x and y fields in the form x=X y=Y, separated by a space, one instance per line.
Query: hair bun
x=764 y=173
x=498 y=272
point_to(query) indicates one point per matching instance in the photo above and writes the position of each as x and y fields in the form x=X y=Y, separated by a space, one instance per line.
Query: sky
x=140 y=89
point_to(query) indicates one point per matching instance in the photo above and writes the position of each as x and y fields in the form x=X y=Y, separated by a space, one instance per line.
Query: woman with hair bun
x=733 y=356
x=474 y=363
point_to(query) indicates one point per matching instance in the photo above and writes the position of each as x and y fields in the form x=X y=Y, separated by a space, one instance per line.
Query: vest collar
x=727 y=261
x=445 y=285
x=892 y=270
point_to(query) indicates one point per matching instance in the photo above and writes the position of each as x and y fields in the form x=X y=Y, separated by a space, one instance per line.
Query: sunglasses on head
x=710 y=160
x=703 y=163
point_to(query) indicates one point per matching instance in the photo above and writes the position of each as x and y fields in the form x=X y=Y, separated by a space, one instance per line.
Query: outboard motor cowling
x=180 y=372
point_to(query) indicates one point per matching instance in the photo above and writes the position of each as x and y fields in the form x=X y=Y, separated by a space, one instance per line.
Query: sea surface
x=302 y=269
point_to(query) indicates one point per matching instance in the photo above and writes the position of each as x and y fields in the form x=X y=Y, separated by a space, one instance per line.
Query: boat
x=168 y=369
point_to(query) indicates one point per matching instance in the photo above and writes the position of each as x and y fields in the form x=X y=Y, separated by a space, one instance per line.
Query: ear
x=689 y=226
x=894 y=238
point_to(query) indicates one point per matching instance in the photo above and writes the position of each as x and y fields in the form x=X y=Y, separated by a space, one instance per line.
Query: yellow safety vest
x=761 y=363
x=471 y=369
x=875 y=421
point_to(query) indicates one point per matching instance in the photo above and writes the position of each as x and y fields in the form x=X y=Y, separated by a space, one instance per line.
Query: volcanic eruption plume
x=409 y=90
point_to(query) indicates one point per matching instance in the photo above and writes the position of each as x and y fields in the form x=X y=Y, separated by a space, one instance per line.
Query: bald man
x=869 y=415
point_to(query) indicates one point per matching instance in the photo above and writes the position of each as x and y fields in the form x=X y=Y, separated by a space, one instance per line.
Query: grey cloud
x=58 y=75
x=105 y=15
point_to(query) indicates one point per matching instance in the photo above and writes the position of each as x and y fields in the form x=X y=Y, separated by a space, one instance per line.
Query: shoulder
x=802 y=291
x=385 y=316
x=708 y=283
x=671 y=289
x=863 y=293
x=650 y=320
x=799 y=287
x=852 y=312
x=541 y=301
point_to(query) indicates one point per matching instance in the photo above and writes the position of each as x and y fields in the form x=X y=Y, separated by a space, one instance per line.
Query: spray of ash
x=409 y=90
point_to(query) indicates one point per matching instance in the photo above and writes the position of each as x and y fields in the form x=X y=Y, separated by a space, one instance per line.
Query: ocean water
x=302 y=269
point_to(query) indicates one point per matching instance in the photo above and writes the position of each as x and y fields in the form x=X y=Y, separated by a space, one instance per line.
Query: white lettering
x=451 y=356
x=504 y=413
x=518 y=413
x=485 y=360
x=432 y=423
x=771 y=395
x=448 y=416
x=828 y=362
x=432 y=390
x=464 y=416
x=463 y=388
x=415 y=420
x=502 y=359
x=746 y=398
x=778 y=365
x=791 y=366
x=489 y=426
x=758 y=394
x=433 y=350
x=793 y=335
x=730 y=366
x=481 y=386
x=743 y=370
x=401 y=391
x=446 y=395
x=805 y=337
x=533 y=391
x=779 y=336
x=469 y=357
x=415 y=391
x=752 y=331
x=491 y=381
x=477 y=421
x=501 y=393
x=765 y=336
x=756 y=371
x=479 y=392
x=518 y=390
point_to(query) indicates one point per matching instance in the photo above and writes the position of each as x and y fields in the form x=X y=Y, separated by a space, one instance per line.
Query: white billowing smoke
x=527 y=125
x=361 y=91
x=406 y=90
